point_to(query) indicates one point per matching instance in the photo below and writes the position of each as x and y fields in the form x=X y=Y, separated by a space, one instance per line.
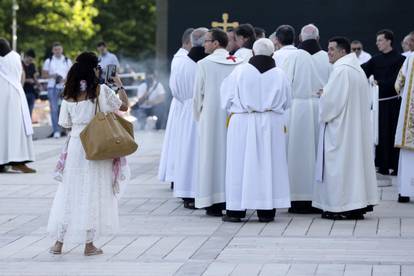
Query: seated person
x=151 y=96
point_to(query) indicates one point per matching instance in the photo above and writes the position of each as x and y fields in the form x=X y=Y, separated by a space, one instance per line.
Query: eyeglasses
x=208 y=40
x=356 y=49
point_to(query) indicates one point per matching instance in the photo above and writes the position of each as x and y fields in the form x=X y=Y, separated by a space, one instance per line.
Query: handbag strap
x=97 y=106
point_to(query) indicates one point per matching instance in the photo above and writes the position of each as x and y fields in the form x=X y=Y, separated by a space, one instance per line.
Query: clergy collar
x=197 y=53
x=222 y=56
x=311 y=46
x=262 y=63
x=288 y=47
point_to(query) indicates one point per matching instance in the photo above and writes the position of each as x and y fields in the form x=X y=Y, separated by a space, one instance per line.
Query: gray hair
x=309 y=31
x=263 y=46
x=198 y=36
x=186 y=36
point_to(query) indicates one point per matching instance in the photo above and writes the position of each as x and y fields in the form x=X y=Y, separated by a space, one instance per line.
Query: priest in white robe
x=168 y=154
x=186 y=155
x=404 y=136
x=211 y=164
x=256 y=95
x=16 y=131
x=301 y=124
x=245 y=37
x=347 y=184
x=309 y=42
x=284 y=39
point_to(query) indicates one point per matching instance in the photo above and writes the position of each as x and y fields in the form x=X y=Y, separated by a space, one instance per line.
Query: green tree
x=128 y=26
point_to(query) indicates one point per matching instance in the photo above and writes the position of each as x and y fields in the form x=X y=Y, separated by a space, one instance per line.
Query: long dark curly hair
x=82 y=71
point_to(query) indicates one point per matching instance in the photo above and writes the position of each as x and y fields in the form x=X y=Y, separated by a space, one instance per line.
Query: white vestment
x=16 y=130
x=256 y=166
x=404 y=135
x=407 y=54
x=348 y=177
x=185 y=170
x=283 y=53
x=323 y=69
x=364 y=57
x=244 y=54
x=168 y=154
x=302 y=131
x=211 y=71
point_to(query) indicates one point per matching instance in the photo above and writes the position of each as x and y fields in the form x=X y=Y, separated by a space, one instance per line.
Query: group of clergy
x=261 y=124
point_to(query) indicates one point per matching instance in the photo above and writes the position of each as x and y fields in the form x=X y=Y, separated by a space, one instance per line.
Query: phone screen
x=110 y=72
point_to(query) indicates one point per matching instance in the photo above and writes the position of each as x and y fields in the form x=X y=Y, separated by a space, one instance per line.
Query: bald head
x=263 y=46
x=197 y=36
x=309 y=31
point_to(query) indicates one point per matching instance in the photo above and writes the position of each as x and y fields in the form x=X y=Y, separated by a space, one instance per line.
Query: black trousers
x=260 y=213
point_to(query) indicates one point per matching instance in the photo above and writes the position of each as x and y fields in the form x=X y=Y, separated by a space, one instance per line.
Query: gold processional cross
x=225 y=24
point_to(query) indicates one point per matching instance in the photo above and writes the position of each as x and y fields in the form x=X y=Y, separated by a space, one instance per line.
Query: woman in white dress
x=85 y=206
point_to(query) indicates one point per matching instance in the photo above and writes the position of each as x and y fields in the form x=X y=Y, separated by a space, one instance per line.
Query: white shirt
x=107 y=59
x=159 y=90
x=364 y=57
x=58 y=66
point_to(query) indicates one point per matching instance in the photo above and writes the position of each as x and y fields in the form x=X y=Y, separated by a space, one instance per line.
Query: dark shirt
x=197 y=53
x=30 y=71
x=262 y=63
x=385 y=68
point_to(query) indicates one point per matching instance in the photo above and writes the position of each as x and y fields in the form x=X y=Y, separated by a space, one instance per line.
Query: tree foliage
x=127 y=25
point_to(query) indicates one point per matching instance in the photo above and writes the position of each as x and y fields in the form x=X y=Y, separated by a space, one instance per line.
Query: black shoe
x=354 y=217
x=214 y=213
x=403 y=199
x=383 y=171
x=230 y=219
x=266 y=219
x=332 y=216
x=189 y=204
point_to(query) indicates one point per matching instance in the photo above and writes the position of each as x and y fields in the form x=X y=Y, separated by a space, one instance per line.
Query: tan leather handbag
x=107 y=136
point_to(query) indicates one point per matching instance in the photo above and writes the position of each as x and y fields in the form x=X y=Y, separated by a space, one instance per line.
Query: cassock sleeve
x=334 y=97
x=173 y=79
x=199 y=88
x=368 y=67
x=228 y=90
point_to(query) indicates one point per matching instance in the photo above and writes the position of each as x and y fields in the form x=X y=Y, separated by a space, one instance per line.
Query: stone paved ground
x=160 y=237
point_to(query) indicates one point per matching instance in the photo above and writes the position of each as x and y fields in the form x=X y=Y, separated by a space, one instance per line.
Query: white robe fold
x=15 y=123
x=322 y=70
x=168 y=154
x=186 y=155
x=256 y=168
x=211 y=165
x=302 y=124
x=349 y=179
x=244 y=54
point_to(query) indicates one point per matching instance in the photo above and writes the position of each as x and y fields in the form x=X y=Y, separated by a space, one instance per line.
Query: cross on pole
x=225 y=24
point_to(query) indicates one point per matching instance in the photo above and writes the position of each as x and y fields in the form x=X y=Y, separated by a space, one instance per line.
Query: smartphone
x=110 y=72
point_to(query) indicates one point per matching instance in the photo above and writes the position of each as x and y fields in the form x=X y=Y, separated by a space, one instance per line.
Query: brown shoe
x=23 y=168
x=56 y=249
x=91 y=250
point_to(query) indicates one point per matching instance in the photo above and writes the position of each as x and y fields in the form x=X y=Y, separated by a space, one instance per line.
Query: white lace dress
x=84 y=206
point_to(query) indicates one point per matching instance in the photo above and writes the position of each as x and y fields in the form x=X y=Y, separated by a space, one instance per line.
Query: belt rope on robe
x=231 y=115
x=389 y=98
